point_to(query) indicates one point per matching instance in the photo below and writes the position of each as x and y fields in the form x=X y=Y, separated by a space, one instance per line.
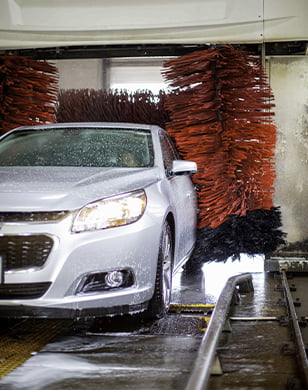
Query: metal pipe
x=202 y=368
x=105 y=74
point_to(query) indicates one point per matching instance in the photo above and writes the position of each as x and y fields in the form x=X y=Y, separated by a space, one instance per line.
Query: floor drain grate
x=25 y=339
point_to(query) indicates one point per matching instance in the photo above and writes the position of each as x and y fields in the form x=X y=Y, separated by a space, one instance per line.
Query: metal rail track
x=202 y=369
x=296 y=331
x=201 y=372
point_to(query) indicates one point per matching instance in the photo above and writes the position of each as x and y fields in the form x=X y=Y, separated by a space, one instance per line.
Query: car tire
x=160 y=302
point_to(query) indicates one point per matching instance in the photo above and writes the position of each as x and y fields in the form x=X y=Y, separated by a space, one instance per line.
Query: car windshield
x=79 y=147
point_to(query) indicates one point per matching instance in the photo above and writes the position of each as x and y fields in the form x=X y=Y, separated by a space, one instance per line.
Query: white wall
x=289 y=81
x=130 y=74
x=136 y=77
x=79 y=73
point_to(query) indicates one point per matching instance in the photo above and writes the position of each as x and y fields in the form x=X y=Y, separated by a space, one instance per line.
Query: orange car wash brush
x=220 y=116
x=28 y=92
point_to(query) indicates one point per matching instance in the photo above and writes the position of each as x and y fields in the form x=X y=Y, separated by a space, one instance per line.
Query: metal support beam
x=106 y=73
x=152 y=50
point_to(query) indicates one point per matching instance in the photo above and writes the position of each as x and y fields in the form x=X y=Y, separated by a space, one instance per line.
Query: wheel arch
x=171 y=222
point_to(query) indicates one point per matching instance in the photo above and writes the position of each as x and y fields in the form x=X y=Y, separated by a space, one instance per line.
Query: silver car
x=95 y=218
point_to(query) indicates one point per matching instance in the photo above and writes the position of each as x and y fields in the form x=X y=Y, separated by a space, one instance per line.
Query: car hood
x=66 y=188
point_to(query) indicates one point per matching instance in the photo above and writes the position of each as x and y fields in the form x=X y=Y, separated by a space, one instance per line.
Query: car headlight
x=111 y=212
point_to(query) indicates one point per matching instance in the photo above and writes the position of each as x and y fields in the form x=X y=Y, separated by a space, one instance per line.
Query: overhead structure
x=60 y=23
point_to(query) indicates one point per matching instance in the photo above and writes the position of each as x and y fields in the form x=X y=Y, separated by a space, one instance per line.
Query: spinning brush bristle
x=220 y=117
x=220 y=110
x=111 y=106
x=28 y=92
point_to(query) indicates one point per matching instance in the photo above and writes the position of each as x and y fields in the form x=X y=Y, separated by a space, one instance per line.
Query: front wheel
x=160 y=302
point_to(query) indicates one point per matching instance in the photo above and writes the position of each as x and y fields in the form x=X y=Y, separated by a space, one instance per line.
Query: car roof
x=123 y=125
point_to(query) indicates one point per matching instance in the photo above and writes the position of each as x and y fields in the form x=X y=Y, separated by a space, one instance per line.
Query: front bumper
x=27 y=311
x=75 y=255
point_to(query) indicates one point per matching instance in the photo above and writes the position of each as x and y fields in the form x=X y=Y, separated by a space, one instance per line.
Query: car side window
x=168 y=150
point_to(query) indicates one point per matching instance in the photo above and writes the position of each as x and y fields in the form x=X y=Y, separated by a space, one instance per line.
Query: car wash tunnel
x=153 y=192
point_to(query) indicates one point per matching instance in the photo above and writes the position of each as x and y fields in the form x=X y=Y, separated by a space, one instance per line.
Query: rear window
x=86 y=147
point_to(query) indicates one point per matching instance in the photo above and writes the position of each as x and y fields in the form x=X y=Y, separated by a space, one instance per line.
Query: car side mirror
x=182 y=167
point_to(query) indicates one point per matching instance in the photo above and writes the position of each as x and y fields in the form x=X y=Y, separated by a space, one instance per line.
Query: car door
x=182 y=198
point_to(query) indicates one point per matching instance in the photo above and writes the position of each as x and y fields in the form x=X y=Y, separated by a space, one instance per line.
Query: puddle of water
x=217 y=274
x=206 y=286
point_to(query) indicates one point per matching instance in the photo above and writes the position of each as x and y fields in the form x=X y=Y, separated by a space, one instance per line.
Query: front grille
x=50 y=216
x=24 y=290
x=24 y=251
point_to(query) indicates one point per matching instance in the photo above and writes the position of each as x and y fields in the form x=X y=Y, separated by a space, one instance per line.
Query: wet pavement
x=253 y=354
x=119 y=353
x=126 y=353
